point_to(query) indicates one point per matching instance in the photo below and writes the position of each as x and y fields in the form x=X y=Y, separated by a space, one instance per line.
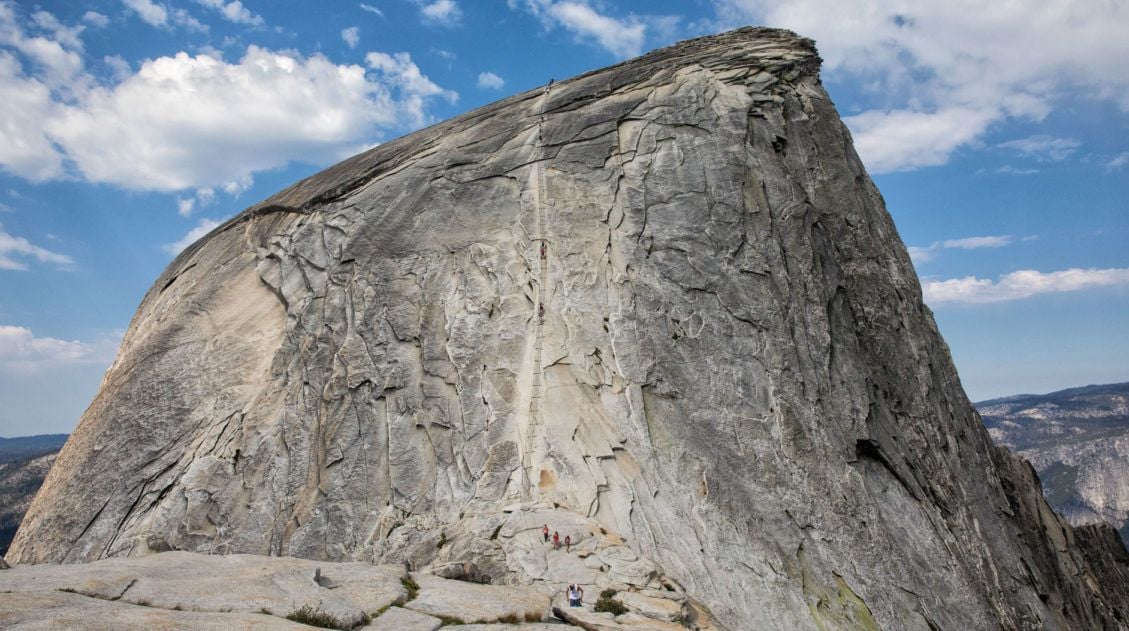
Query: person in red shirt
x=556 y=540
x=545 y=532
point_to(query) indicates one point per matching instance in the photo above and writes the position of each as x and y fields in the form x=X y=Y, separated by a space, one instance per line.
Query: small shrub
x=496 y=531
x=510 y=618
x=442 y=540
x=450 y=620
x=609 y=604
x=380 y=612
x=608 y=593
x=532 y=616
x=315 y=618
x=410 y=585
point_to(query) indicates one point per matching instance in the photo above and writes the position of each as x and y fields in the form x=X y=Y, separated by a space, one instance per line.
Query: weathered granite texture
x=247 y=584
x=663 y=297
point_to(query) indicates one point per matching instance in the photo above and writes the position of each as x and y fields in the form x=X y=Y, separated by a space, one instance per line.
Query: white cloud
x=233 y=12
x=28 y=105
x=992 y=61
x=973 y=243
x=372 y=9
x=490 y=81
x=13 y=249
x=58 y=61
x=185 y=205
x=192 y=122
x=1043 y=148
x=351 y=35
x=95 y=19
x=119 y=67
x=1010 y=170
x=621 y=37
x=183 y=18
x=22 y=352
x=149 y=12
x=66 y=36
x=399 y=70
x=905 y=139
x=1118 y=161
x=202 y=228
x=922 y=254
x=442 y=12
x=1019 y=285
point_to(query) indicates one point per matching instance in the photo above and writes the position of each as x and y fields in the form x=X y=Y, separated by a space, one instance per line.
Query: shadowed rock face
x=721 y=357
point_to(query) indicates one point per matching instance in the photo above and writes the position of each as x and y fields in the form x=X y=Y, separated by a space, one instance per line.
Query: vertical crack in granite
x=734 y=390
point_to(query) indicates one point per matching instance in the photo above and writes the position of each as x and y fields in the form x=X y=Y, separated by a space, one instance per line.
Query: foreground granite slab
x=190 y=582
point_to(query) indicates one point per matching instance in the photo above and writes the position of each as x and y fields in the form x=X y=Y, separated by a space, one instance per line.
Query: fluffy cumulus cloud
x=17 y=252
x=922 y=254
x=490 y=81
x=188 y=122
x=203 y=227
x=21 y=351
x=1019 y=285
x=623 y=37
x=941 y=73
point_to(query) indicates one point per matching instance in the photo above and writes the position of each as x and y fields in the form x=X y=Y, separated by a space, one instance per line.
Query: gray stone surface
x=474 y=603
x=229 y=584
x=734 y=388
x=51 y=611
x=397 y=619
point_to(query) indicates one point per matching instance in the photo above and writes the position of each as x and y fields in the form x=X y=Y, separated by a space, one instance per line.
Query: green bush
x=315 y=618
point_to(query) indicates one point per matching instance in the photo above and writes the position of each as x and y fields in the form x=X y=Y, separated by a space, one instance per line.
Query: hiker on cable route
x=575 y=595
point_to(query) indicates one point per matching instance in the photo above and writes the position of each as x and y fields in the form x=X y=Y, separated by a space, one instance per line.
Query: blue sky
x=998 y=133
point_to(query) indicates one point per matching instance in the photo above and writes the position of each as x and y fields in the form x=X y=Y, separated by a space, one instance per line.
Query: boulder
x=656 y=608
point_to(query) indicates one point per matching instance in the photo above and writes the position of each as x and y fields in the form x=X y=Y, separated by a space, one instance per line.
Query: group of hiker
x=574 y=592
x=556 y=539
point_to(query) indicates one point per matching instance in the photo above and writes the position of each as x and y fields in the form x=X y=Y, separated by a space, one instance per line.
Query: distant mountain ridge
x=1078 y=441
x=23 y=447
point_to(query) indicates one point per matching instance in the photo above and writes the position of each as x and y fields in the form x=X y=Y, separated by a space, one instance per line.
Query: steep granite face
x=661 y=303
